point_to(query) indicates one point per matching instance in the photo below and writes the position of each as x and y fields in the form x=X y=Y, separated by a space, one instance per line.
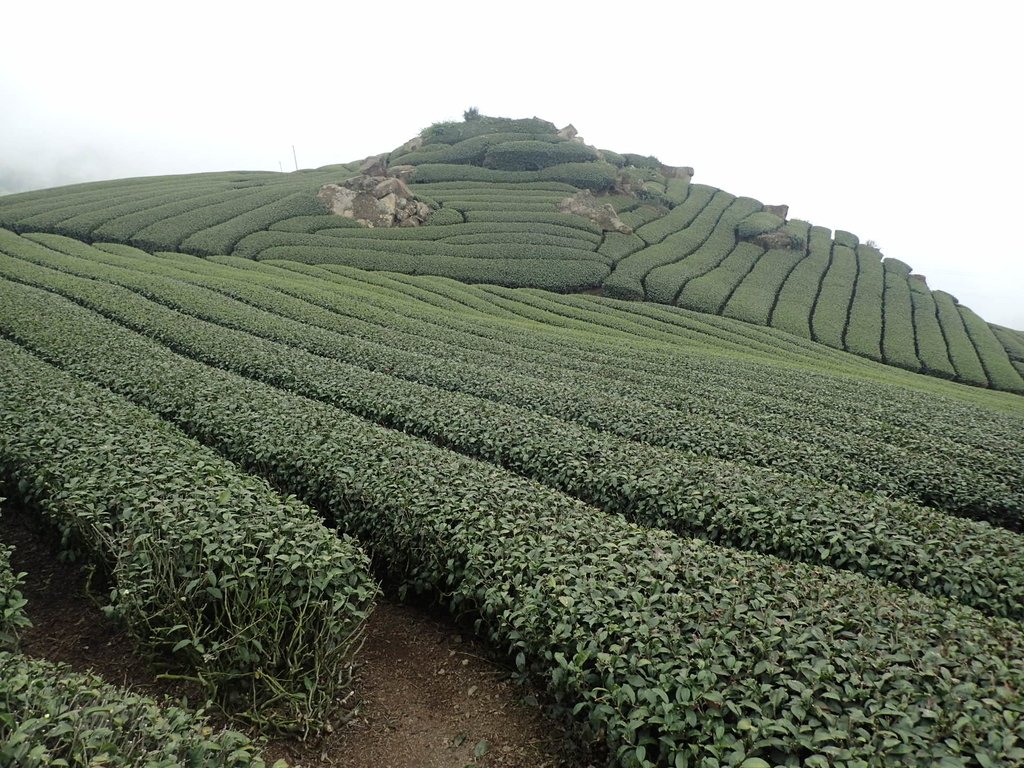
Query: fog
x=897 y=123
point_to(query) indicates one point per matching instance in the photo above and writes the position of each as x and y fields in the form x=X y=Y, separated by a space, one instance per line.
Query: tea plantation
x=685 y=474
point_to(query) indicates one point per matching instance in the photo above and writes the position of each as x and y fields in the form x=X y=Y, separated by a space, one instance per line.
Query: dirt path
x=427 y=696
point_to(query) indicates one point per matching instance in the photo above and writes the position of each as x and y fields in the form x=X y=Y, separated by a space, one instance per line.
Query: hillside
x=492 y=192
x=706 y=539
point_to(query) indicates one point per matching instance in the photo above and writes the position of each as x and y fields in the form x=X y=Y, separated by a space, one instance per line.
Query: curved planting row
x=711 y=291
x=864 y=329
x=899 y=345
x=831 y=307
x=864 y=458
x=754 y=298
x=931 y=344
x=629 y=278
x=741 y=506
x=664 y=283
x=674 y=650
x=795 y=306
x=209 y=565
x=961 y=351
x=993 y=358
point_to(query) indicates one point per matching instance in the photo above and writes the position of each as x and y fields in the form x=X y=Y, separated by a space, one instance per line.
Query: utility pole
x=296 y=159
x=279 y=167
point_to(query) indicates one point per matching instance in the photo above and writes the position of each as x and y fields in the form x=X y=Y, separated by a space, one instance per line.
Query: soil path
x=428 y=697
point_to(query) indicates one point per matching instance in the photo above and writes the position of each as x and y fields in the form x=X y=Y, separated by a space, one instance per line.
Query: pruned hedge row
x=998 y=370
x=680 y=217
x=933 y=484
x=468 y=151
x=931 y=345
x=961 y=350
x=525 y=217
x=831 y=309
x=755 y=297
x=452 y=132
x=792 y=312
x=628 y=281
x=445 y=216
x=674 y=650
x=595 y=176
x=209 y=565
x=1012 y=341
x=617 y=246
x=739 y=506
x=664 y=283
x=898 y=340
x=561 y=275
x=710 y=292
x=864 y=331
x=51 y=716
x=221 y=238
x=314 y=223
x=533 y=155
x=758 y=223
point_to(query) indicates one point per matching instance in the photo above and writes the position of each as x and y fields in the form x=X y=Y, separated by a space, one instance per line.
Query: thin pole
x=296 y=159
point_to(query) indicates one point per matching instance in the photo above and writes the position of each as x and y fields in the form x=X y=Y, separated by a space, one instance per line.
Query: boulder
x=676 y=172
x=410 y=146
x=391 y=186
x=403 y=172
x=778 y=240
x=375 y=201
x=782 y=211
x=337 y=199
x=569 y=132
x=376 y=165
x=585 y=204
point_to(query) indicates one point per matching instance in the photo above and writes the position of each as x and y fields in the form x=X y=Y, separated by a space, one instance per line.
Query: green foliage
x=711 y=291
x=898 y=337
x=536 y=155
x=452 y=132
x=52 y=716
x=846 y=239
x=245 y=588
x=758 y=223
x=612 y=157
x=681 y=216
x=687 y=232
x=665 y=283
x=314 y=223
x=962 y=353
x=617 y=246
x=931 y=345
x=12 y=602
x=864 y=330
x=642 y=161
x=221 y=238
x=445 y=216
x=792 y=312
x=993 y=358
x=828 y=321
x=755 y=297
x=604 y=612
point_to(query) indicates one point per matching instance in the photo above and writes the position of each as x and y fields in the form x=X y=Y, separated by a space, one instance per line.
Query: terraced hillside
x=720 y=543
x=494 y=190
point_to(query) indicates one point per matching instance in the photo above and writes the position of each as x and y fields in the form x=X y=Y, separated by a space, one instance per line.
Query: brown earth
x=428 y=696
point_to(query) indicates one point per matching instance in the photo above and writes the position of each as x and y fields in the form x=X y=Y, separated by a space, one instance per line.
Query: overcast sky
x=899 y=122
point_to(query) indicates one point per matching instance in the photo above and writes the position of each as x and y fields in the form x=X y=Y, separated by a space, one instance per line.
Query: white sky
x=898 y=121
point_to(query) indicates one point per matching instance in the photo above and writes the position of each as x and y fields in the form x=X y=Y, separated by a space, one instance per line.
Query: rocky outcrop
x=676 y=171
x=778 y=240
x=782 y=211
x=585 y=204
x=374 y=166
x=375 y=200
x=569 y=132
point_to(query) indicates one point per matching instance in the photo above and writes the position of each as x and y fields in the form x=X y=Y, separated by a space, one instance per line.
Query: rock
x=391 y=186
x=337 y=199
x=677 y=172
x=388 y=205
x=375 y=199
x=569 y=132
x=782 y=211
x=585 y=204
x=410 y=146
x=374 y=166
x=403 y=172
x=777 y=240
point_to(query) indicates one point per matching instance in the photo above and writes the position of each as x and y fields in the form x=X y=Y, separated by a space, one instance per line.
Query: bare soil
x=426 y=695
